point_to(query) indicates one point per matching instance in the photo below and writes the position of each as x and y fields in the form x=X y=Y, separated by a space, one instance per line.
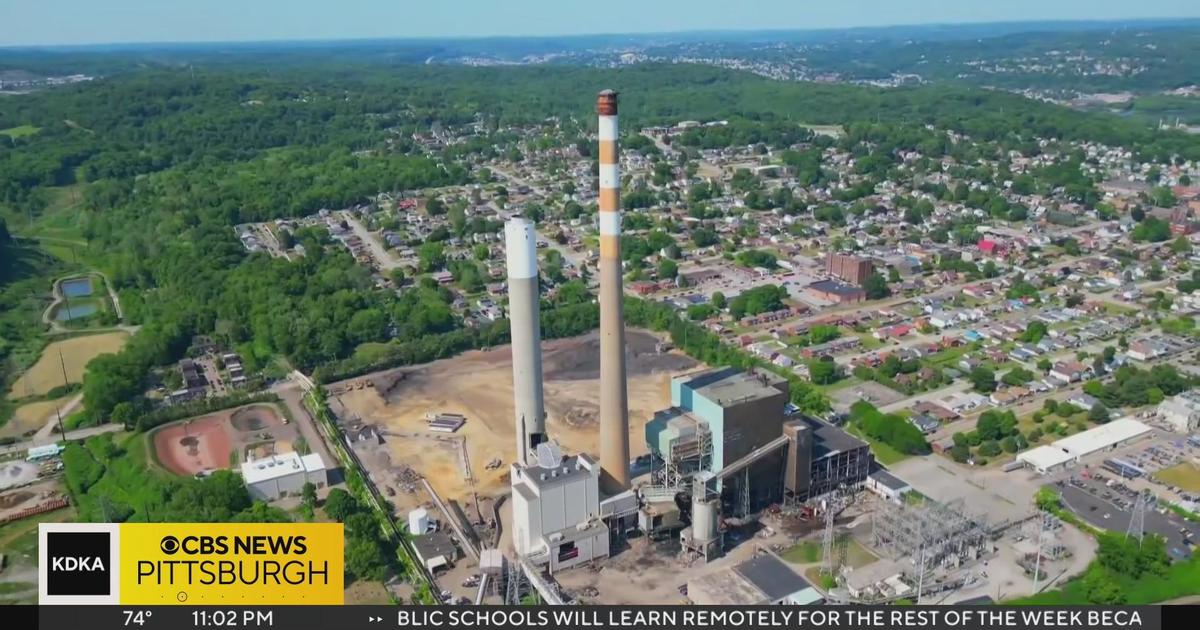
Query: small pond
x=76 y=311
x=77 y=287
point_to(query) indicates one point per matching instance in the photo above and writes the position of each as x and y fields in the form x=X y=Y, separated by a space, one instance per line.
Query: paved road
x=73 y=436
x=45 y=434
x=386 y=261
x=292 y=394
x=1102 y=513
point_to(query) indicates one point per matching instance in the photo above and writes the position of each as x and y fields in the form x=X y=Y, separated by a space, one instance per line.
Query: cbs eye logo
x=169 y=545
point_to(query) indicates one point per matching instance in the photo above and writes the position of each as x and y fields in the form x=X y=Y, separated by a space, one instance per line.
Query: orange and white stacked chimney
x=614 y=397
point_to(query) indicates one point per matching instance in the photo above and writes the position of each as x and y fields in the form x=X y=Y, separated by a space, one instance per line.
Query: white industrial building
x=1182 y=412
x=887 y=485
x=278 y=475
x=556 y=509
x=1069 y=450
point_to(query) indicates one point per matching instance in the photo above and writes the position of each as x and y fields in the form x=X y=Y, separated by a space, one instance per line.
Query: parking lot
x=1105 y=501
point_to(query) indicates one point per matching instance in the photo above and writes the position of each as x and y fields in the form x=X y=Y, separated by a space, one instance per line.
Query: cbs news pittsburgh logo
x=190 y=563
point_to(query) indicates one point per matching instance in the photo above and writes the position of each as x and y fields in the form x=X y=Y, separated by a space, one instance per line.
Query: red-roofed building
x=990 y=247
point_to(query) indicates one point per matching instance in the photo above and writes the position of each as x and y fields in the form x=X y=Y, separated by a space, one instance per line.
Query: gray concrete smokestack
x=614 y=396
x=520 y=243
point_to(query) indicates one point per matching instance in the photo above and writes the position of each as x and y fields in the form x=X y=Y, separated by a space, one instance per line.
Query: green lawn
x=60 y=222
x=869 y=342
x=803 y=553
x=948 y=356
x=20 y=132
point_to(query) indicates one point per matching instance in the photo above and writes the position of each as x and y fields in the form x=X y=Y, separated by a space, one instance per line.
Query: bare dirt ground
x=18 y=499
x=479 y=386
x=17 y=473
x=211 y=442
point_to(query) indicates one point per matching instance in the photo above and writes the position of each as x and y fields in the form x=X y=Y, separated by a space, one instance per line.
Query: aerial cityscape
x=869 y=315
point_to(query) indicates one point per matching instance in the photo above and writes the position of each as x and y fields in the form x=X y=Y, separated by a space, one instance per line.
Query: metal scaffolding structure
x=515 y=585
x=684 y=458
x=931 y=534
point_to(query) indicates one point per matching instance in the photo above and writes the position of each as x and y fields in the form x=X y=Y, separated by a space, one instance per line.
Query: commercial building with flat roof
x=284 y=474
x=1069 y=450
x=837 y=292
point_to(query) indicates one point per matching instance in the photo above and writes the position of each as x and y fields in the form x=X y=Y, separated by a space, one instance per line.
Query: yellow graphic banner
x=231 y=563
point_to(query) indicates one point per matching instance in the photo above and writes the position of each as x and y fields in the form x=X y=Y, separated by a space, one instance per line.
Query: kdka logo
x=79 y=563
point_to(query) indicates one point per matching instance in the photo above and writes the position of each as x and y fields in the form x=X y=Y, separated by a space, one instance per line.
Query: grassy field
x=367 y=593
x=1185 y=475
x=803 y=553
x=29 y=417
x=20 y=132
x=59 y=227
x=810 y=551
x=47 y=373
x=869 y=342
x=371 y=350
x=884 y=453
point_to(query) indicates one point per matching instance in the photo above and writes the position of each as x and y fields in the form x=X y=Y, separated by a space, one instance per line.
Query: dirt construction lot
x=223 y=439
x=479 y=386
x=47 y=373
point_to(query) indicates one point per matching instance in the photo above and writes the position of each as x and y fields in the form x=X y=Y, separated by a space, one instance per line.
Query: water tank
x=704 y=520
x=418 y=521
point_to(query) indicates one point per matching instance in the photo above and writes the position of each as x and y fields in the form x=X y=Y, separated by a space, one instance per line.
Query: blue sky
x=31 y=22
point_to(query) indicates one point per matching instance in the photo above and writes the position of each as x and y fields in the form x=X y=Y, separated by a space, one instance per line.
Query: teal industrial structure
x=732 y=424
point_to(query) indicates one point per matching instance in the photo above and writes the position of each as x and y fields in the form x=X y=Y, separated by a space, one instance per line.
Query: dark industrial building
x=739 y=428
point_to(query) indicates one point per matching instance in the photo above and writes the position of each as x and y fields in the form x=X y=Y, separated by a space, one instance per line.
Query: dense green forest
x=168 y=161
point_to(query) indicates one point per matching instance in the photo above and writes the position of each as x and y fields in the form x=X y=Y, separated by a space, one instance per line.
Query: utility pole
x=61 y=429
x=62 y=363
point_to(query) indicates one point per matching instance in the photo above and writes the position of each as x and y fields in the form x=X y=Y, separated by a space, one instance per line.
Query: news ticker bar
x=597 y=617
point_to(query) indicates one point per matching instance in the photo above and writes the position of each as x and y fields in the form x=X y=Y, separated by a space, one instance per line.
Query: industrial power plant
x=730 y=445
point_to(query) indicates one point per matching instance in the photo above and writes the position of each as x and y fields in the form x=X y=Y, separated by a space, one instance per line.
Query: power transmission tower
x=513 y=586
x=1044 y=523
x=1137 y=522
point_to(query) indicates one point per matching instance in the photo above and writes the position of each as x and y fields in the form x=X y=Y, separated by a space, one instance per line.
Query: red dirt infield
x=192 y=446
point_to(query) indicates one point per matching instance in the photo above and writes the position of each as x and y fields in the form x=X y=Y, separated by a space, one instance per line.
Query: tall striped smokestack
x=614 y=399
x=520 y=243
